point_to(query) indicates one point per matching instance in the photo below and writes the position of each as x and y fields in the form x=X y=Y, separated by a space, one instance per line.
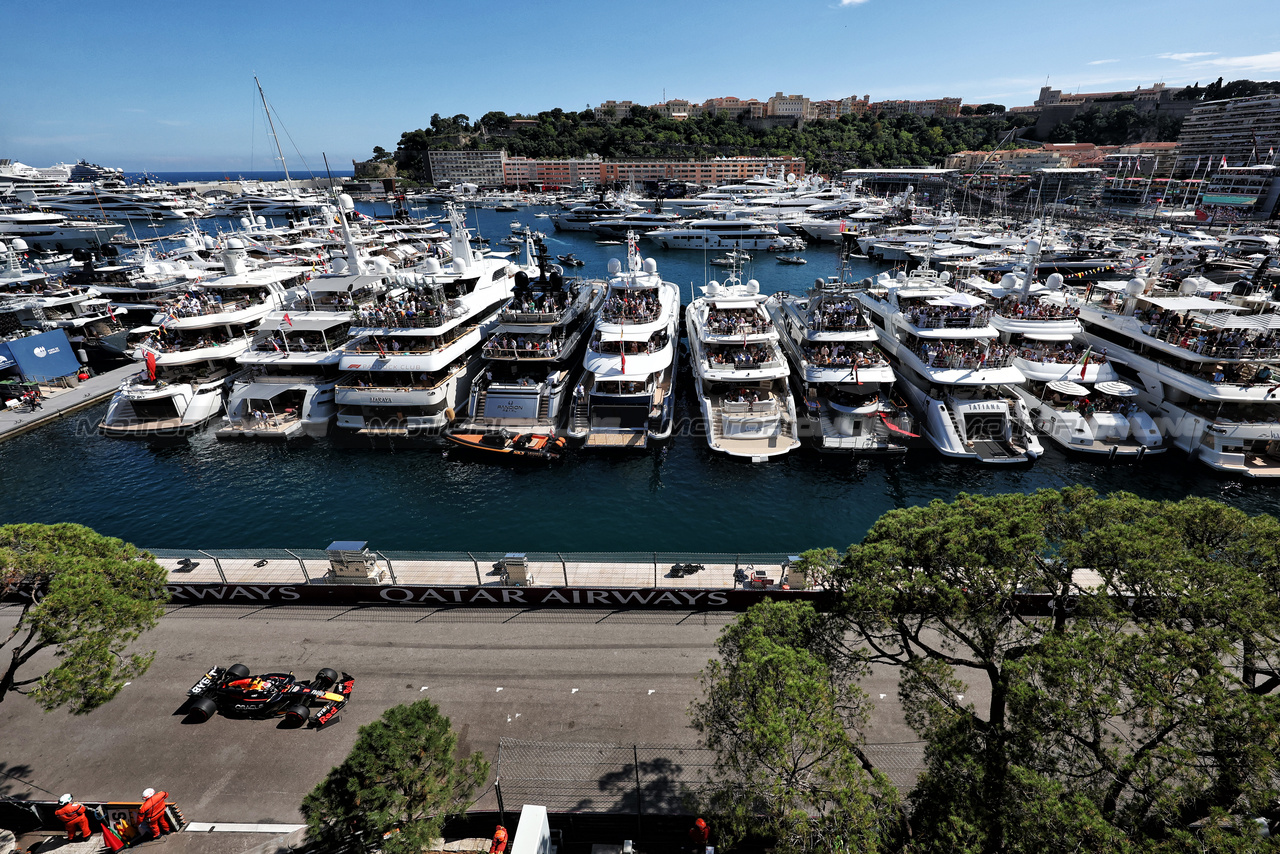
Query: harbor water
x=202 y=493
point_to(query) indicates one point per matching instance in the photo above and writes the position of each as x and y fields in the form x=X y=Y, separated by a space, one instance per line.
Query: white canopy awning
x=1267 y=321
x=958 y=300
x=1117 y=389
x=1048 y=336
x=1192 y=304
x=1068 y=387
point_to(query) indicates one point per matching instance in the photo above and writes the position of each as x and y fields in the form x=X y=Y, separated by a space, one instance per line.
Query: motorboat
x=45 y=231
x=410 y=362
x=570 y=261
x=740 y=373
x=626 y=398
x=845 y=384
x=791 y=259
x=727 y=231
x=532 y=359
x=505 y=442
x=955 y=371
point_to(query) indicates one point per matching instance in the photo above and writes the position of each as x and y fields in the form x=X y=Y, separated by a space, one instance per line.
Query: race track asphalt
x=549 y=676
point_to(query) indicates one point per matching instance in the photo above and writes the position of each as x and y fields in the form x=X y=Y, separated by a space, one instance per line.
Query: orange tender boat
x=524 y=445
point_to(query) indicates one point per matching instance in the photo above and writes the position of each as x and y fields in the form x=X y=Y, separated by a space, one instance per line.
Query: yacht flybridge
x=844 y=382
x=740 y=372
x=412 y=357
x=626 y=396
x=1207 y=370
x=956 y=371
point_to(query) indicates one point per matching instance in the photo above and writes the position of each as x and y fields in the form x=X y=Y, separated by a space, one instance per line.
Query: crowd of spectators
x=635 y=306
x=937 y=317
x=840 y=354
x=949 y=354
x=737 y=321
x=831 y=315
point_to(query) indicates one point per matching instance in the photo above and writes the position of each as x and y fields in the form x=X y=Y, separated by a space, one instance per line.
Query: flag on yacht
x=288 y=319
x=151 y=366
x=1084 y=360
x=1223 y=165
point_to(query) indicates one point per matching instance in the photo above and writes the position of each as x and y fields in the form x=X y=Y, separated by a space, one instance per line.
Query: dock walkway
x=60 y=402
x=196 y=567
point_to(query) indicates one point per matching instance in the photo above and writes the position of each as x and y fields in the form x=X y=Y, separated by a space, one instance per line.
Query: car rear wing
x=209 y=680
x=328 y=713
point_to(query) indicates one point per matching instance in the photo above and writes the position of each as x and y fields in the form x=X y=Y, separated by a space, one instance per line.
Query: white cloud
x=1265 y=63
x=852 y=2
x=1102 y=62
x=1186 y=57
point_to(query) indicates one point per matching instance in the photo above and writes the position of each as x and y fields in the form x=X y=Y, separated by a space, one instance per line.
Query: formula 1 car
x=235 y=693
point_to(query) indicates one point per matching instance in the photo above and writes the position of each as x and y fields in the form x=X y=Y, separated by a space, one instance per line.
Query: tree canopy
x=84 y=596
x=1134 y=703
x=401 y=780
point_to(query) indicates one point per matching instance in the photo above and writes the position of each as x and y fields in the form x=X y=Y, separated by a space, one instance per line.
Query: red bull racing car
x=233 y=692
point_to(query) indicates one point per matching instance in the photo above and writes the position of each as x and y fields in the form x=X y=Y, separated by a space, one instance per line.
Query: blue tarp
x=44 y=356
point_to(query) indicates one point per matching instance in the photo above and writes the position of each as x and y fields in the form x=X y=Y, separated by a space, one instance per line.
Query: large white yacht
x=583 y=217
x=1207 y=370
x=727 y=231
x=533 y=357
x=1071 y=389
x=411 y=359
x=190 y=350
x=844 y=382
x=942 y=343
x=740 y=372
x=44 y=231
x=626 y=398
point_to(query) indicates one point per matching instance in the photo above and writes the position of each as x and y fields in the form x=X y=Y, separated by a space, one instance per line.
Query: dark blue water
x=207 y=494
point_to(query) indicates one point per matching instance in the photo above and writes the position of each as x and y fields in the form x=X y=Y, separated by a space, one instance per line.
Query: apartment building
x=835 y=108
x=944 y=107
x=789 y=106
x=612 y=112
x=1242 y=130
x=482 y=168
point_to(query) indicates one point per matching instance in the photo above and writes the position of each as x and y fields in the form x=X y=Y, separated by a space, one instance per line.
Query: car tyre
x=326 y=679
x=297 y=715
x=237 y=671
x=201 y=709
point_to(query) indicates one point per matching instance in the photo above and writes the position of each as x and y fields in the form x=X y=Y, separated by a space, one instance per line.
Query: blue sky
x=168 y=86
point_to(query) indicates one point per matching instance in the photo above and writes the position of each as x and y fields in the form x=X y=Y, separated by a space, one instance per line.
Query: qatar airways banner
x=684 y=599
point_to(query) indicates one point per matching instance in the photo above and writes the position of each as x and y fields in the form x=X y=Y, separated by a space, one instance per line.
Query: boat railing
x=749 y=408
x=207 y=308
x=513 y=316
x=972 y=358
x=961 y=319
x=544 y=350
x=852 y=324
x=1059 y=356
x=849 y=359
x=404 y=319
x=1205 y=344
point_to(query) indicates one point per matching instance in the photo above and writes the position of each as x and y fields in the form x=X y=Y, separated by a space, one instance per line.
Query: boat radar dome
x=1008 y=281
x=650 y=265
x=944 y=276
x=615 y=266
x=431 y=266
x=339 y=266
x=234 y=244
x=1134 y=287
x=18 y=245
x=345 y=201
x=902 y=276
x=189 y=242
x=882 y=277
x=1054 y=282
x=753 y=287
x=210 y=243
x=1033 y=247
x=244 y=222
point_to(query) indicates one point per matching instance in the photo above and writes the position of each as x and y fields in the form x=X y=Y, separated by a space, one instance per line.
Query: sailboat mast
x=272 y=125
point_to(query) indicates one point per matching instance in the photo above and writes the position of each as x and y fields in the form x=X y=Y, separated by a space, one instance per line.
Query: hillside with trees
x=828 y=146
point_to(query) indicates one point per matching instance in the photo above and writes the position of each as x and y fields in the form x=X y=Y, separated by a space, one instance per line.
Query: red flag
x=288 y=319
x=111 y=313
x=623 y=350
x=895 y=428
x=1224 y=162
x=151 y=366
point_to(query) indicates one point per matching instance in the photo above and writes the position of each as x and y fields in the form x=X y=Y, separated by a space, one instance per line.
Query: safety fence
x=695 y=570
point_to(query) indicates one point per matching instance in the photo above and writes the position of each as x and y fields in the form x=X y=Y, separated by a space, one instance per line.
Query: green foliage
x=784 y=723
x=1116 y=127
x=1140 y=715
x=403 y=777
x=84 y=596
x=827 y=146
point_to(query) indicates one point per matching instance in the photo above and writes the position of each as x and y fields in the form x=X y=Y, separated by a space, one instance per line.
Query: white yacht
x=583 y=217
x=728 y=231
x=190 y=350
x=942 y=343
x=411 y=359
x=115 y=204
x=844 y=382
x=740 y=372
x=44 y=231
x=1207 y=370
x=1071 y=389
x=292 y=370
x=641 y=222
x=626 y=398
